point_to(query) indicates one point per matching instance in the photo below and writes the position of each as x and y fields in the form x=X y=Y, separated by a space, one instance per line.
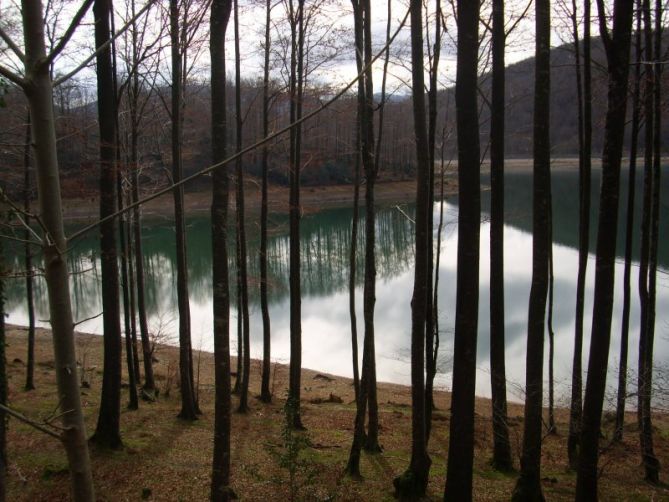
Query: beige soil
x=170 y=460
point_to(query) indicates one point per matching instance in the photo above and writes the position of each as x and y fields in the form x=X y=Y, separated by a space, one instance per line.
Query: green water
x=325 y=242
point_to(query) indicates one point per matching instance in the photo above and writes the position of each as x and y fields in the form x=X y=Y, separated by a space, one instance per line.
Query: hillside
x=328 y=143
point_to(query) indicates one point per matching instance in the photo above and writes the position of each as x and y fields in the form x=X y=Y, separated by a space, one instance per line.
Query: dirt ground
x=166 y=459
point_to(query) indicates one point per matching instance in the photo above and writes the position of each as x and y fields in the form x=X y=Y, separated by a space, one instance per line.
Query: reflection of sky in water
x=325 y=314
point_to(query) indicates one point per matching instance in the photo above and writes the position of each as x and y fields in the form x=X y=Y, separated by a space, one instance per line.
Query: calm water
x=325 y=315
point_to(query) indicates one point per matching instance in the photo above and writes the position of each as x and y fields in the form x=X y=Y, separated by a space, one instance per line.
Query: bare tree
x=188 y=404
x=649 y=238
x=30 y=300
x=461 y=438
x=265 y=393
x=37 y=85
x=413 y=482
x=617 y=45
x=107 y=433
x=220 y=479
x=629 y=233
x=528 y=486
x=501 y=445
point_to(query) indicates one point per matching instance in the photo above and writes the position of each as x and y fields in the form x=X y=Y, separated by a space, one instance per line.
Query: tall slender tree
x=617 y=46
x=461 y=437
x=366 y=396
x=265 y=392
x=241 y=230
x=37 y=85
x=432 y=310
x=188 y=403
x=220 y=479
x=107 y=433
x=296 y=19
x=649 y=239
x=30 y=300
x=413 y=482
x=528 y=486
x=629 y=234
x=584 y=103
x=124 y=256
x=501 y=445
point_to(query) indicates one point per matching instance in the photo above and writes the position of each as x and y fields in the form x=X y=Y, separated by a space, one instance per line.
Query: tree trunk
x=501 y=457
x=149 y=387
x=39 y=95
x=107 y=433
x=124 y=232
x=241 y=230
x=360 y=386
x=369 y=293
x=629 y=234
x=413 y=483
x=133 y=403
x=188 y=405
x=220 y=479
x=265 y=392
x=296 y=83
x=30 y=300
x=461 y=437
x=617 y=55
x=584 y=133
x=528 y=486
x=649 y=242
x=551 y=428
x=431 y=309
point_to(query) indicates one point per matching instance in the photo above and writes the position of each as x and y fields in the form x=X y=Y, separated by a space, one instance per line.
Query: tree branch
x=68 y=33
x=12 y=77
x=104 y=46
x=29 y=422
x=15 y=48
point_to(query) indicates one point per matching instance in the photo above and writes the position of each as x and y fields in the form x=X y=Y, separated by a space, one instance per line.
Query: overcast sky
x=331 y=39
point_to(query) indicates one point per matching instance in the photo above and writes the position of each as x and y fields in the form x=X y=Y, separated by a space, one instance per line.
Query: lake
x=325 y=241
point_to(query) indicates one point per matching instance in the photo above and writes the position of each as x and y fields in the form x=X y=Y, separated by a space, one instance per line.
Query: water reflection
x=324 y=262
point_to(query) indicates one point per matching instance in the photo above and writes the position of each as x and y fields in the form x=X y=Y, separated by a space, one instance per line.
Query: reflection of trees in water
x=518 y=209
x=326 y=238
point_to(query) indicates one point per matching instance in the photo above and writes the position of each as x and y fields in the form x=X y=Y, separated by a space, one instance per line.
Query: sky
x=331 y=39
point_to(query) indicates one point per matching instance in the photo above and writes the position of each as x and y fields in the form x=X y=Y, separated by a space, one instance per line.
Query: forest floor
x=167 y=459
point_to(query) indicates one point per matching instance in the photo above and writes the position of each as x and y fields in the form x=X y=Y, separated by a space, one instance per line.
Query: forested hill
x=328 y=141
x=564 y=132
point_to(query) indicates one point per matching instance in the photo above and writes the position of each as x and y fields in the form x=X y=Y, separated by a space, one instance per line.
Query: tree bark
x=649 y=242
x=528 y=486
x=265 y=392
x=30 y=300
x=188 y=405
x=431 y=309
x=584 y=103
x=39 y=95
x=149 y=387
x=413 y=483
x=629 y=237
x=107 y=433
x=617 y=54
x=461 y=437
x=220 y=480
x=296 y=85
x=241 y=229
x=501 y=459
